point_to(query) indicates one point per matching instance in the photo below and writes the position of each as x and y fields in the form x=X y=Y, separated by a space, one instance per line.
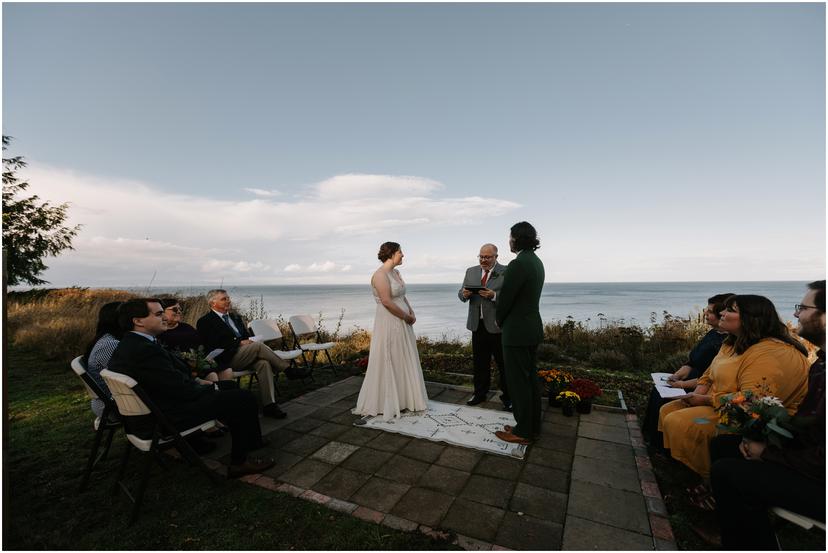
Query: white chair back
x=80 y=370
x=265 y=329
x=302 y=324
x=128 y=402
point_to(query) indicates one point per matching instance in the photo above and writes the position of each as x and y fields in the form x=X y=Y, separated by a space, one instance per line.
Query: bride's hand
x=410 y=319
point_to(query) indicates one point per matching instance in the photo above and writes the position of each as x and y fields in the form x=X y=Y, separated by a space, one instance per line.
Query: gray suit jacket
x=473 y=276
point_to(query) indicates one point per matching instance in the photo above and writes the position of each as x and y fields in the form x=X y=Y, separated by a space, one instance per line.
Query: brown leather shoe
x=251 y=466
x=511 y=438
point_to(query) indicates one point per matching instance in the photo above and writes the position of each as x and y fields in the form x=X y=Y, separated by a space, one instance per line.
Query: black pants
x=745 y=490
x=650 y=426
x=486 y=345
x=235 y=408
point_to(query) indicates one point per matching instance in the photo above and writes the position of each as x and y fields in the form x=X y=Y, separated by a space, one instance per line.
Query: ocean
x=441 y=314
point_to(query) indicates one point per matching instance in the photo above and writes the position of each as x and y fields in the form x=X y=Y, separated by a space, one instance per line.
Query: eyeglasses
x=175 y=310
x=801 y=307
x=486 y=256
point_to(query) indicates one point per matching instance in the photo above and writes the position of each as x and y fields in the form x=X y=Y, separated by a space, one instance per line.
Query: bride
x=394 y=379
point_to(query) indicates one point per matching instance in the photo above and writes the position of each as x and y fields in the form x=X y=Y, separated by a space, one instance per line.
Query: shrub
x=610 y=359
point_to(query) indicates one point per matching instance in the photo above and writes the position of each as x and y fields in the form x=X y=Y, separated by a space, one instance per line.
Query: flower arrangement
x=555 y=379
x=362 y=362
x=568 y=398
x=585 y=388
x=754 y=416
x=197 y=359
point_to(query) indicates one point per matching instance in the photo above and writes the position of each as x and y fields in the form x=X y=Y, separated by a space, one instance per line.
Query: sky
x=207 y=144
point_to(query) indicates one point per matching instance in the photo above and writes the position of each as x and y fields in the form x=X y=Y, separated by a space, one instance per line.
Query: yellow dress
x=770 y=364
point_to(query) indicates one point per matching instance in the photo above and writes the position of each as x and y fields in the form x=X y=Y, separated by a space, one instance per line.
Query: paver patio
x=584 y=484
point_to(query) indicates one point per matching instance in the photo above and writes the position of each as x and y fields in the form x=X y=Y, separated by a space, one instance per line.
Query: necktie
x=226 y=318
x=485 y=278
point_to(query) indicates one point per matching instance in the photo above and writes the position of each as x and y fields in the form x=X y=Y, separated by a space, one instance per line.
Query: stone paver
x=580 y=486
x=389 y=442
x=488 y=490
x=305 y=445
x=603 y=432
x=584 y=535
x=306 y=473
x=424 y=506
x=341 y=483
x=367 y=460
x=499 y=467
x=402 y=469
x=423 y=450
x=334 y=452
x=473 y=519
x=528 y=533
x=618 y=508
x=379 y=494
x=539 y=502
x=459 y=458
x=606 y=473
x=443 y=479
x=545 y=477
x=597 y=449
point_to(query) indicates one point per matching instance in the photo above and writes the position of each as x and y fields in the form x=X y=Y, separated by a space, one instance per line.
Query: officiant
x=479 y=290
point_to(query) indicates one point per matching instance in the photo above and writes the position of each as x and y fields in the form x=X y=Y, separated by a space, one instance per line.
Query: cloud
x=263 y=193
x=139 y=226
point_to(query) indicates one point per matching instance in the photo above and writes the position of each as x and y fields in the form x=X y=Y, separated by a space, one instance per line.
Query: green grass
x=49 y=436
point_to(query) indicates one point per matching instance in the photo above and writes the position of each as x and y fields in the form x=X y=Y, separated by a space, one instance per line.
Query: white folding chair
x=133 y=402
x=303 y=327
x=800 y=520
x=267 y=330
x=108 y=421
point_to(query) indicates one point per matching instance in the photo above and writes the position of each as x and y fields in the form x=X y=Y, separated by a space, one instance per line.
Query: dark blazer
x=216 y=334
x=518 y=301
x=164 y=377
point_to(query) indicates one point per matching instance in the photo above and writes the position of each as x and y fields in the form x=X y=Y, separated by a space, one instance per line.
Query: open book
x=663 y=387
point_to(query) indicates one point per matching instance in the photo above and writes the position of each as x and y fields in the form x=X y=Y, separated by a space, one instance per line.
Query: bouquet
x=198 y=361
x=555 y=380
x=754 y=416
x=568 y=398
x=585 y=388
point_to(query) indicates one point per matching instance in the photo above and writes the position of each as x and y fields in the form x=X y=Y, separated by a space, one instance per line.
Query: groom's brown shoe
x=511 y=438
x=508 y=428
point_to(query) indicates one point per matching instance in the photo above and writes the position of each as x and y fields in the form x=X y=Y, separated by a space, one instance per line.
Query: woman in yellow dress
x=759 y=354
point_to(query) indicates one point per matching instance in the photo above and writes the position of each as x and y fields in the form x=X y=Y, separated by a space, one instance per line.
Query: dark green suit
x=518 y=316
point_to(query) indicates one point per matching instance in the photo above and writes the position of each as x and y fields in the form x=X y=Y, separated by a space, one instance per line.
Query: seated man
x=750 y=477
x=220 y=329
x=185 y=401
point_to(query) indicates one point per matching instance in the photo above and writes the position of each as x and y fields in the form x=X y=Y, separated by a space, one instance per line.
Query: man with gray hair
x=480 y=287
x=221 y=329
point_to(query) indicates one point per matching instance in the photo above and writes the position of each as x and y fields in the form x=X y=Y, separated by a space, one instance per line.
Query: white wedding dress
x=394 y=378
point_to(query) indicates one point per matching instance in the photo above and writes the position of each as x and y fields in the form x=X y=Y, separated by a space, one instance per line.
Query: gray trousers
x=258 y=357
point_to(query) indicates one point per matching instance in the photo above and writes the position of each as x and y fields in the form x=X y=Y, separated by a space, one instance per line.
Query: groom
x=518 y=315
x=485 y=332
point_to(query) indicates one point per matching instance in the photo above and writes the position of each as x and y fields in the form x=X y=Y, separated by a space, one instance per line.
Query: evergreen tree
x=32 y=229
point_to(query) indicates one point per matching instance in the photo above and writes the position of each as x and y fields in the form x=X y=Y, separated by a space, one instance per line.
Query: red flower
x=586 y=389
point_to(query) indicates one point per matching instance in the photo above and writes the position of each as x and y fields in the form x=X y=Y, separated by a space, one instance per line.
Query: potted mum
x=554 y=381
x=568 y=402
x=586 y=390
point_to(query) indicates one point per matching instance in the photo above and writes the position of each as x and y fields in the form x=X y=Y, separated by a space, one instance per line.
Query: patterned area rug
x=455 y=424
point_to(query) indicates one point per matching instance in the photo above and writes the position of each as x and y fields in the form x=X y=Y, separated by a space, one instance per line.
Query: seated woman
x=758 y=355
x=181 y=337
x=687 y=375
x=99 y=351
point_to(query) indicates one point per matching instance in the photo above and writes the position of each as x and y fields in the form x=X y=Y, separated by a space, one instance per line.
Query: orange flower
x=738 y=399
x=754 y=415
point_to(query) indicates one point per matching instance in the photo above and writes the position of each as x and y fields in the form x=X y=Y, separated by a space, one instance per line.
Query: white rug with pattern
x=455 y=424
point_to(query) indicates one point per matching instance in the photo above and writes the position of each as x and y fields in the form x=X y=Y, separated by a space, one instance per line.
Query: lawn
x=48 y=436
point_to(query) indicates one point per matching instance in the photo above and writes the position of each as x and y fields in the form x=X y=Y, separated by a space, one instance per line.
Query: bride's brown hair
x=387 y=250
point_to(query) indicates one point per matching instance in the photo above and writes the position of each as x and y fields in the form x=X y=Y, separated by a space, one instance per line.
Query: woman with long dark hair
x=759 y=354
x=99 y=351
